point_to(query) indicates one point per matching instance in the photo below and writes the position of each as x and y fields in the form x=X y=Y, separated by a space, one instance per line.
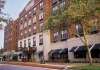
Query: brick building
x=33 y=41
x=9 y=40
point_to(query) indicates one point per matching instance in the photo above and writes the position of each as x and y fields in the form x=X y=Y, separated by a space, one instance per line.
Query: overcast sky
x=12 y=7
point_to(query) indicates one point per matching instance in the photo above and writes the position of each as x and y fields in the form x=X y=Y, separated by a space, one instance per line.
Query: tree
x=77 y=11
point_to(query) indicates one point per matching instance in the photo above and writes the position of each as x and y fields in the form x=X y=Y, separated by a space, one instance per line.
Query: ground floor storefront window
x=81 y=54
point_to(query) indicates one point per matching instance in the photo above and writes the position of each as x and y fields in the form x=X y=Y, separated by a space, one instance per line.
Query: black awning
x=73 y=49
x=80 y=48
x=63 y=51
x=85 y=48
x=96 y=47
x=50 y=51
x=57 y=51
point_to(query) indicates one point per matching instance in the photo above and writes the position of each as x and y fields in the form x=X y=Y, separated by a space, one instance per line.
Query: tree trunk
x=89 y=55
x=87 y=45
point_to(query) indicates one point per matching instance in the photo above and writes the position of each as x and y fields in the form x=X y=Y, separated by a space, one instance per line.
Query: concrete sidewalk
x=46 y=65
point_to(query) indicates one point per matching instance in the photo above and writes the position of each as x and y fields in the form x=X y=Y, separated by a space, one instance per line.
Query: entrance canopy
x=5 y=54
x=17 y=53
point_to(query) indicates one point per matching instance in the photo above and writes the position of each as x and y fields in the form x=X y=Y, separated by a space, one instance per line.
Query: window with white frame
x=62 y=3
x=29 y=29
x=40 y=39
x=25 y=32
x=55 y=36
x=41 y=16
x=41 y=26
x=34 y=41
x=29 y=42
x=34 y=19
x=63 y=34
x=24 y=43
x=29 y=22
x=34 y=10
x=34 y=29
x=54 y=9
x=79 y=29
x=21 y=27
x=41 y=5
x=21 y=34
x=29 y=12
x=22 y=18
x=20 y=44
x=25 y=15
x=25 y=24
x=94 y=27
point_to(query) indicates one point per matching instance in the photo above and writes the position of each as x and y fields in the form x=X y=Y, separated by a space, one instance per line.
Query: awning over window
x=73 y=49
x=96 y=47
x=57 y=51
x=85 y=48
x=80 y=48
x=50 y=51
x=63 y=51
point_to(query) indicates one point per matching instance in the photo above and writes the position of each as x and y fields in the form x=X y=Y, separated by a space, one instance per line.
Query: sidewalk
x=46 y=65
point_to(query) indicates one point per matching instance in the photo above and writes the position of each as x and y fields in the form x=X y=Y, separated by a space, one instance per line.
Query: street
x=17 y=67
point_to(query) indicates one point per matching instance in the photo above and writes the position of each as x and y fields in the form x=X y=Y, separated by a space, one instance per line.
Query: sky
x=13 y=8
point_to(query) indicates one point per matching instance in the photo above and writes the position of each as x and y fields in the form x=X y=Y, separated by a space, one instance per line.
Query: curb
x=35 y=65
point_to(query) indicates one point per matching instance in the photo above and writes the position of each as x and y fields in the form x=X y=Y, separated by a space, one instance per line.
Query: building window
x=25 y=32
x=29 y=22
x=29 y=12
x=20 y=44
x=34 y=29
x=29 y=32
x=54 y=1
x=25 y=24
x=29 y=42
x=34 y=19
x=79 y=29
x=25 y=15
x=94 y=29
x=24 y=43
x=63 y=35
x=34 y=41
x=21 y=27
x=41 y=40
x=29 y=29
x=21 y=34
x=62 y=3
x=81 y=54
x=41 y=16
x=34 y=10
x=55 y=36
x=41 y=27
x=54 y=9
x=41 y=5
x=21 y=18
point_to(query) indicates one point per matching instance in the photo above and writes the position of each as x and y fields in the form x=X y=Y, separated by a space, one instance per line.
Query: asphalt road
x=17 y=67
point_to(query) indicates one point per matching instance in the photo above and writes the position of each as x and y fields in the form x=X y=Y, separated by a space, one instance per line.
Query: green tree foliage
x=84 y=12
